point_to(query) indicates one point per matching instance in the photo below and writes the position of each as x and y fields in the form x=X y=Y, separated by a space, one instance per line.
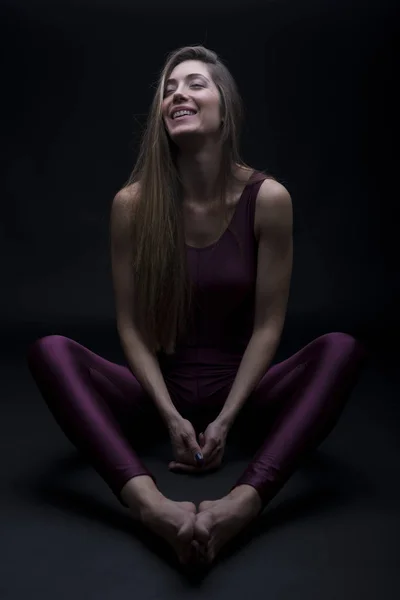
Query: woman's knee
x=47 y=346
x=344 y=345
x=344 y=342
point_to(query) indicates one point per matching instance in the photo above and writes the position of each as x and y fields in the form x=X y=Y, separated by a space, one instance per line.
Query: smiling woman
x=187 y=167
x=199 y=323
x=202 y=114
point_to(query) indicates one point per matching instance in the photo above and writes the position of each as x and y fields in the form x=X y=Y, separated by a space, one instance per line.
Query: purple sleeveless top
x=224 y=277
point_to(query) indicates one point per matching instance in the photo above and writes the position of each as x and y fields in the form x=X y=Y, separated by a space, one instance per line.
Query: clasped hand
x=210 y=448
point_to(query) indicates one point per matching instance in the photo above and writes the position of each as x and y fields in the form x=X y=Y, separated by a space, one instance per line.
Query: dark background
x=318 y=81
x=319 y=84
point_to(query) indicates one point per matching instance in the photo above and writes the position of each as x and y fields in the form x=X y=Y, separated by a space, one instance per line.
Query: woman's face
x=190 y=85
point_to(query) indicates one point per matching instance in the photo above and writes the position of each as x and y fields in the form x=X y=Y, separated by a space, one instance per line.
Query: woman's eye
x=192 y=85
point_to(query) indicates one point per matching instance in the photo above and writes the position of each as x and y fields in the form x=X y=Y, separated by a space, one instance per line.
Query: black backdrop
x=318 y=80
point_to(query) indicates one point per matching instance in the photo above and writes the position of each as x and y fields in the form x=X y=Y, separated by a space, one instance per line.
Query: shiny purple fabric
x=106 y=414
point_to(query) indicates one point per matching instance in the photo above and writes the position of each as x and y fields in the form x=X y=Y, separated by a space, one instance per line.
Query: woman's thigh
x=68 y=372
x=323 y=359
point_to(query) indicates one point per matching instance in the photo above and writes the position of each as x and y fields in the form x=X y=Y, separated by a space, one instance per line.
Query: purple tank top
x=224 y=277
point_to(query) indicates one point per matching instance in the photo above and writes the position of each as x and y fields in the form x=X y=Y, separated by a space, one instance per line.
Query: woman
x=201 y=249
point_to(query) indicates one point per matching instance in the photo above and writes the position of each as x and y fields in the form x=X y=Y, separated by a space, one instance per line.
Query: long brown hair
x=162 y=287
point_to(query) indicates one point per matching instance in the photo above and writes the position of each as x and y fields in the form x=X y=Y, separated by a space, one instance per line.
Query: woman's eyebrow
x=190 y=76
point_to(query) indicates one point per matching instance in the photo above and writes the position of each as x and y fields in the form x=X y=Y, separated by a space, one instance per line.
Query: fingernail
x=199 y=456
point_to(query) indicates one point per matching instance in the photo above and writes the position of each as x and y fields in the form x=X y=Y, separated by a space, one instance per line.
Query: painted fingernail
x=199 y=456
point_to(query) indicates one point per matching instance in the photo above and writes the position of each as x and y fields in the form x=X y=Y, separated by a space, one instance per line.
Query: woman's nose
x=179 y=96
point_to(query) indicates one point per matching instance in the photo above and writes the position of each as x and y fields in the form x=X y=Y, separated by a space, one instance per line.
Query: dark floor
x=331 y=533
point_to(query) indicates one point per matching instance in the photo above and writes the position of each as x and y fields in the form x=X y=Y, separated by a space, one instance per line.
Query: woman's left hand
x=212 y=443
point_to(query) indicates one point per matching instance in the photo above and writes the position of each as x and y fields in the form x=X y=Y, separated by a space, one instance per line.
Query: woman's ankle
x=140 y=492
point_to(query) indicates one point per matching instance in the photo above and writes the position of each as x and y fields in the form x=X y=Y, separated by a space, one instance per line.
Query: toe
x=189 y=506
x=202 y=531
x=195 y=551
x=184 y=539
x=205 y=505
x=210 y=555
x=199 y=553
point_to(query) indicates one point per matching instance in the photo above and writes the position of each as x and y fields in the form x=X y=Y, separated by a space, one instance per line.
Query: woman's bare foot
x=220 y=520
x=173 y=521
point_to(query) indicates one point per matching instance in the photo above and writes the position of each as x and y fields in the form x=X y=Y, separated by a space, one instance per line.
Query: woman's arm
x=142 y=362
x=274 y=269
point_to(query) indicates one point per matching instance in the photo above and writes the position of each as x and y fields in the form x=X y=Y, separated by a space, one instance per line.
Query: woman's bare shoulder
x=128 y=194
x=123 y=206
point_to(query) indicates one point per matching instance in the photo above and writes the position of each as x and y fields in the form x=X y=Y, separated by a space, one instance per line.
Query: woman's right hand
x=184 y=443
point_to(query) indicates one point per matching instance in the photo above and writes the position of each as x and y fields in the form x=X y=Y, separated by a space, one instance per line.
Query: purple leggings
x=105 y=413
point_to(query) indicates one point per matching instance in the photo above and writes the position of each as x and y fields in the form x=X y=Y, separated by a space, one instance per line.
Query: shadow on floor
x=329 y=482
